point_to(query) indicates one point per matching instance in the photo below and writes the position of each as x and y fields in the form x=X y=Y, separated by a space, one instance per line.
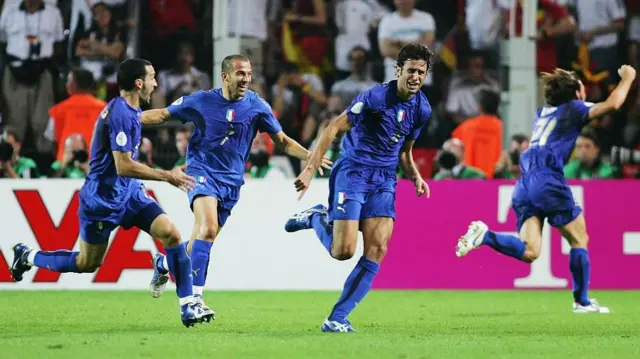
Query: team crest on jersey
x=401 y=115
x=178 y=102
x=357 y=108
x=231 y=114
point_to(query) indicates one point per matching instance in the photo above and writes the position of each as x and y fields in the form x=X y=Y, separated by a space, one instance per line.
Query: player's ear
x=398 y=71
x=139 y=83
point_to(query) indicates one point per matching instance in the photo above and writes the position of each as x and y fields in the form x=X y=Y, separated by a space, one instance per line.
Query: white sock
x=185 y=300
x=31 y=257
x=197 y=290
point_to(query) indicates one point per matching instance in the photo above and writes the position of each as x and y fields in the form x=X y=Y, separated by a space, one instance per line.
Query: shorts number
x=543 y=131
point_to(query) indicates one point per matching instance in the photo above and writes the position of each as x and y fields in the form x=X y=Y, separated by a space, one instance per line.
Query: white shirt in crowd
x=169 y=80
x=396 y=28
x=353 y=19
x=253 y=18
x=595 y=13
x=483 y=20
x=20 y=30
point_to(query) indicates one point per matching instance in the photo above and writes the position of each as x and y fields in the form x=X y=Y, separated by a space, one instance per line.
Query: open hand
x=178 y=178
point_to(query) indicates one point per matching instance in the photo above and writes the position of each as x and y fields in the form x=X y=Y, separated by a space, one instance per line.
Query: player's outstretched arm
x=618 y=96
x=128 y=167
x=294 y=149
x=155 y=117
x=411 y=170
x=340 y=124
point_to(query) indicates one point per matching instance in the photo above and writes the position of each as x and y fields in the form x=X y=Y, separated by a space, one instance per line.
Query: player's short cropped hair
x=560 y=86
x=129 y=71
x=519 y=138
x=82 y=78
x=414 y=52
x=489 y=101
x=227 y=62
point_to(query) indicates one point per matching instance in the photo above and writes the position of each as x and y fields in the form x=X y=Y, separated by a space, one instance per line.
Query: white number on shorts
x=543 y=131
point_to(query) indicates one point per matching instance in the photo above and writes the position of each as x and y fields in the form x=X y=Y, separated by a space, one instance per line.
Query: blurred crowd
x=310 y=58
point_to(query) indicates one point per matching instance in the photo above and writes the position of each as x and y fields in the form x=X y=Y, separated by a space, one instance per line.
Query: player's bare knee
x=208 y=232
x=169 y=235
x=376 y=252
x=86 y=265
x=531 y=254
x=343 y=251
x=580 y=242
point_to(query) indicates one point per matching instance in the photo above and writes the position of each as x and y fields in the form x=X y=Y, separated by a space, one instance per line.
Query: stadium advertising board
x=254 y=253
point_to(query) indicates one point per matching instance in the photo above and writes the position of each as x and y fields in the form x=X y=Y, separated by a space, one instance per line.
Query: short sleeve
x=268 y=122
x=428 y=23
x=183 y=108
x=580 y=111
x=360 y=105
x=424 y=115
x=120 y=133
x=384 y=30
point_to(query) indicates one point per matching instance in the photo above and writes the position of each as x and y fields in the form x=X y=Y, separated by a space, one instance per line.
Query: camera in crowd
x=81 y=156
x=624 y=156
x=447 y=160
x=6 y=151
x=514 y=157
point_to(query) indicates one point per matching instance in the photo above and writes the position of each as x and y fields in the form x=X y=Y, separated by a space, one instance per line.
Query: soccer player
x=226 y=121
x=542 y=191
x=112 y=195
x=381 y=125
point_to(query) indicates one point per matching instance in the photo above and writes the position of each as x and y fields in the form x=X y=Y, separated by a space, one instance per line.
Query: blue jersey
x=224 y=130
x=380 y=122
x=104 y=192
x=555 y=130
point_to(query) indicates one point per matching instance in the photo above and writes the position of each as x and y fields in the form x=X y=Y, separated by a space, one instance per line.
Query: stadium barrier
x=254 y=252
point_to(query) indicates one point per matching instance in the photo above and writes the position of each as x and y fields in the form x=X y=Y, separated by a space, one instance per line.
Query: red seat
x=424 y=160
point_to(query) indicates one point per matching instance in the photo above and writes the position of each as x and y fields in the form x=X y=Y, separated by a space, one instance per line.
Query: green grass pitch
x=389 y=324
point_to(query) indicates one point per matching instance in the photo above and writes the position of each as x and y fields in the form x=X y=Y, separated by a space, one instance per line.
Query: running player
x=542 y=191
x=113 y=196
x=381 y=126
x=226 y=121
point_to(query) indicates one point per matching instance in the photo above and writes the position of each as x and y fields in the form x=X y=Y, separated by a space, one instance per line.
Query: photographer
x=11 y=164
x=509 y=165
x=75 y=160
x=260 y=159
x=451 y=163
x=588 y=163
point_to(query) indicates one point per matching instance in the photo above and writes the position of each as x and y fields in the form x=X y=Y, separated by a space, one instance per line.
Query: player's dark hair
x=10 y=131
x=560 y=86
x=227 y=62
x=82 y=78
x=129 y=71
x=591 y=136
x=489 y=101
x=361 y=49
x=519 y=138
x=414 y=52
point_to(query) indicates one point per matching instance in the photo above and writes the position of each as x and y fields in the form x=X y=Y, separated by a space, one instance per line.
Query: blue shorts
x=139 y=211
x=357 y=192
x=544 y=194
x=227 y=196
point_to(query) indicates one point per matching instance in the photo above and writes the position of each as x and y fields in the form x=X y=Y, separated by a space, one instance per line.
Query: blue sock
x=356 y=287
x=180 y=267
x=62 y=261
x=505 y=244
x=323 y=229
x=580 y=271
x=200 y=252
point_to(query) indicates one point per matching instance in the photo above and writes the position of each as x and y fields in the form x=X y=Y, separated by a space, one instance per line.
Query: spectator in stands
x=260 y=159
x=482 y=135
x=483 y=22
x=182 y=142
x=354 y=19
x=101 y=48
x=305 y=40
x=145 y=154
x=33 y=33
x=298 y=98
x=451 y=163
x=12 y=165
x=359 y=79
x=633 y=32
x=183 y=79
x=462 y=97
x=172 y=22
x=509 y=165
x=588 y=163
x=599 y=22
x=403 y=26
x=75 y=160
x=77 y=114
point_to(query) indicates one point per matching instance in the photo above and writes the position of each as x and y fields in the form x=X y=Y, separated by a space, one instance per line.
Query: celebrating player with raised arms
x=113 y=196
x=381 y=126
x=542 y=191
x=226 y=121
